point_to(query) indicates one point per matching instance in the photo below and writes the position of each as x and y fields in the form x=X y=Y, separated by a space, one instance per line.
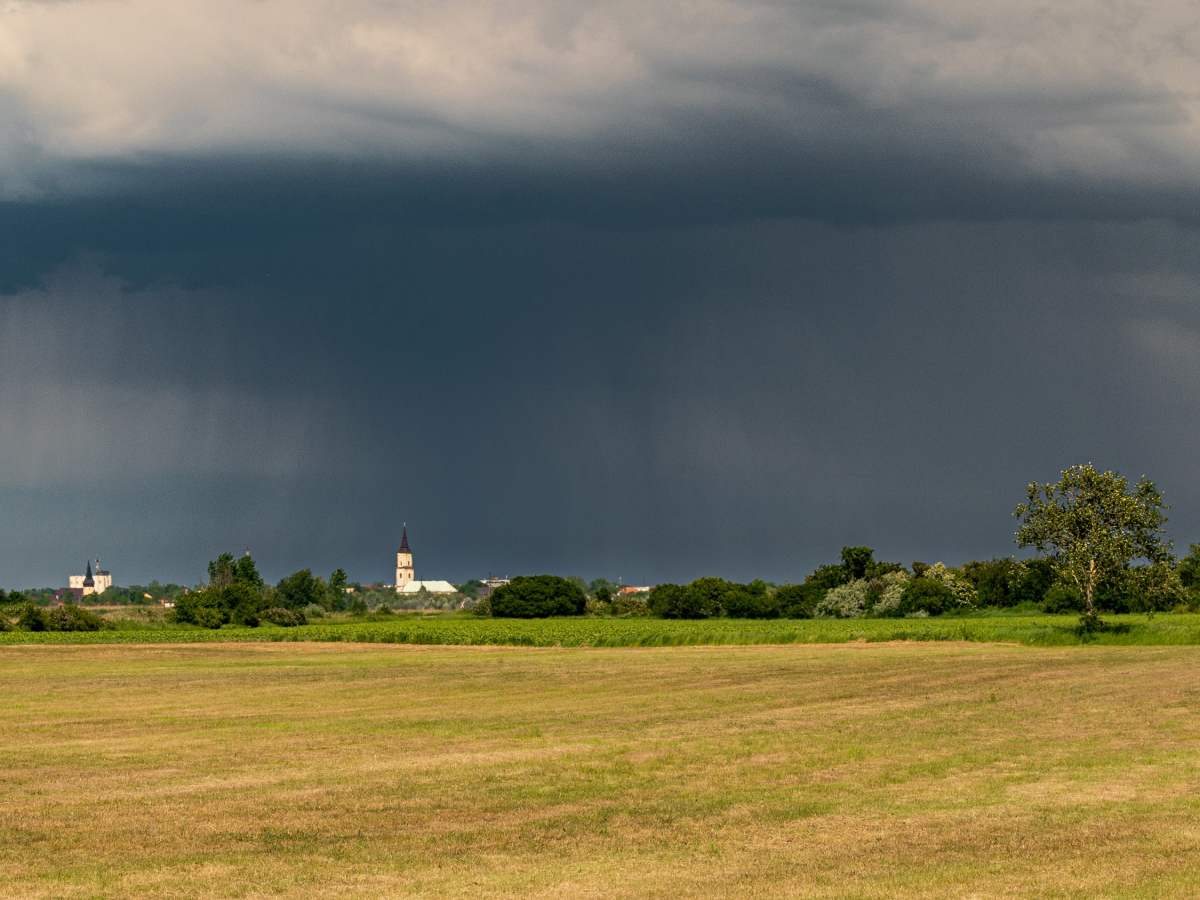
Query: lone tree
x=1092 y=525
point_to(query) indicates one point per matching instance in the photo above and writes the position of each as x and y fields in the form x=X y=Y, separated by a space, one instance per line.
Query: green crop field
x=1035 y=630
x=344 y=770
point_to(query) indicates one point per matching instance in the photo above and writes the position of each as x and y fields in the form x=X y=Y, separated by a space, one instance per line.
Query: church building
x=98 y=583
x=406 y=582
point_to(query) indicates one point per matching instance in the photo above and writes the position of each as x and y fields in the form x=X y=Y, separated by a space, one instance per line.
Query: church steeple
x=88 y=581
x=404 y=562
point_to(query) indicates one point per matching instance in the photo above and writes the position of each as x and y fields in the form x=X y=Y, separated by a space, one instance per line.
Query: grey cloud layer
x=1084 y=89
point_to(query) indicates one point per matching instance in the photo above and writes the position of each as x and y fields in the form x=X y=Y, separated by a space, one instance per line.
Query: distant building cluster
x=490 y=585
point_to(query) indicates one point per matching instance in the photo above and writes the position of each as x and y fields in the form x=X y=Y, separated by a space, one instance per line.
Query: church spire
x=404 y=563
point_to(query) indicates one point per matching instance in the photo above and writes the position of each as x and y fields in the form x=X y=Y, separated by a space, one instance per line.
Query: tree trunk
x=1091 y=587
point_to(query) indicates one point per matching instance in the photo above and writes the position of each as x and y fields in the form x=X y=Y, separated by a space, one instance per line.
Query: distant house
x=68 y=594
x=630 y=589
x=493 y=582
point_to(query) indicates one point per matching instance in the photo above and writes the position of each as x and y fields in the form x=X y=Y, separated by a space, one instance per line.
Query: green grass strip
x=1165 y=629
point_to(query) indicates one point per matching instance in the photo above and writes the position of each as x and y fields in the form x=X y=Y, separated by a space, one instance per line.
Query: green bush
x=846 y=601
x=798 y=601
x=928 y=595
x=298 y=590
x=204 y=608
x=1115 y=596
x=750 y=601
x=243 y=601
x=885 y=595
x=32 y=618
x=1037 y=577
x=207 y=617
x=10 y=608
x=1148 y=588
x=996 y=581
x=536 y=597
x=288 y=618
x=858 y=563
x=1191 y=599
x=1061 y=598
x=706 y=595
x=234 y=595
x=698 y=600
x=71 y=618
x=630 y=606
x=483 y=607
x=1189 y=567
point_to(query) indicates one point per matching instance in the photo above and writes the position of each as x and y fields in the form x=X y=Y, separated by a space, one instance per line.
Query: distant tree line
x=235 y=594
x=151 y=594
x=860 y=586
x=1101 y=539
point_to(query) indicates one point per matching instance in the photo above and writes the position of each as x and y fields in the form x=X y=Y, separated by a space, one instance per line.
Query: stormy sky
x=649 y=291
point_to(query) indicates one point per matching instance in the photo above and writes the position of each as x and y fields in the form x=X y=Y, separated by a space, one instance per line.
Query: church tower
x=404 y=565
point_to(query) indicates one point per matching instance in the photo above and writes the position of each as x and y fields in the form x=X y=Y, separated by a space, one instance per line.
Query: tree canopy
x=298 y=590
x=1093 y=525
x=538 y=596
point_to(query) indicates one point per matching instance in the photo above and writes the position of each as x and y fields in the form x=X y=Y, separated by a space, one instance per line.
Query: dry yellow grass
x=344 y=771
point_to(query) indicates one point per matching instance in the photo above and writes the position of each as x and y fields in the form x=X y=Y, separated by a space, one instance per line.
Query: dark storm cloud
x=736 y=399
x=642 y=290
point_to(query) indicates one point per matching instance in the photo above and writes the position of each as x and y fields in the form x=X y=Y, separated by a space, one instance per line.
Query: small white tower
x=404 y=564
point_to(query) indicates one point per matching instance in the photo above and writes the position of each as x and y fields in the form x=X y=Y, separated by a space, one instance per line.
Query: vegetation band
x=1047 y=630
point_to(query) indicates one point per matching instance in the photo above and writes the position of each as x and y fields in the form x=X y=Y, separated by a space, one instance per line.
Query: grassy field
x=1033 y=630
x=309 y=770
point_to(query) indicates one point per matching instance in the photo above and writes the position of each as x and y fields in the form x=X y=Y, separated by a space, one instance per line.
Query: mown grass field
x=310 y=770
x=1033 y=630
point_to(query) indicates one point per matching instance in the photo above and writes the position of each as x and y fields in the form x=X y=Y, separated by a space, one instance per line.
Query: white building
x=406 y=582
x=431 y=587
x=92 y=584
